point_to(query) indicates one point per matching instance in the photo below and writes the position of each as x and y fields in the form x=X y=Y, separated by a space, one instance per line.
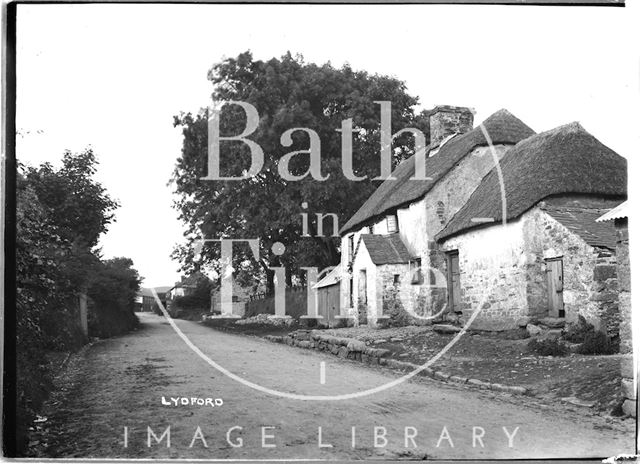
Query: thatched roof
x=386 y=249
x=565 y=160
x=502 y=126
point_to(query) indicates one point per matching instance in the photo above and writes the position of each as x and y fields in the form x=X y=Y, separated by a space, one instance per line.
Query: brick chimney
x=447 y=120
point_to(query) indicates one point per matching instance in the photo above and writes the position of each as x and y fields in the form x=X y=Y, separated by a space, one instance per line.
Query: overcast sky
x=112 y=77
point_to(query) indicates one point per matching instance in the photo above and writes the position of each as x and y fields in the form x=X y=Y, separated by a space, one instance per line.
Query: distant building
x=184 y=287
x=149 y=303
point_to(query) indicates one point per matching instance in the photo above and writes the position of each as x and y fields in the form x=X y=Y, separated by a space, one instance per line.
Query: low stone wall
x=343 y=347
x=357 y=350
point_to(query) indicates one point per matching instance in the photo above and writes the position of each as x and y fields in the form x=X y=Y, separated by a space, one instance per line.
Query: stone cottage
x=390 y=264
x=540 y=255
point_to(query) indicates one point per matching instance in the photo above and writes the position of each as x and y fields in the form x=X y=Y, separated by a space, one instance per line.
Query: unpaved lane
x=120 y=383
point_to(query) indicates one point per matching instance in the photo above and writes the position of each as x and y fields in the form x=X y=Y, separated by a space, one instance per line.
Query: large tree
x=287 y=93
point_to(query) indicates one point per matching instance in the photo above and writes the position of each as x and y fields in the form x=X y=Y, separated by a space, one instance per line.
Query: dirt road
x=121 y=383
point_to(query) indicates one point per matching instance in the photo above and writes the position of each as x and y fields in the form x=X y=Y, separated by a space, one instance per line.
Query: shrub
x=596 y=343
x=577 y=331
x=547 y=347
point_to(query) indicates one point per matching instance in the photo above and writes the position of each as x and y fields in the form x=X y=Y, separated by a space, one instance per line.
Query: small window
x=392 y=223
x=370 y=229
x=440 y=212
x=396 y=279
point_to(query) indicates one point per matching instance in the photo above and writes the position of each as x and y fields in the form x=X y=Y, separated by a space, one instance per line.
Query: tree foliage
x=112 y=292
x=60 y=215
x=287 y=93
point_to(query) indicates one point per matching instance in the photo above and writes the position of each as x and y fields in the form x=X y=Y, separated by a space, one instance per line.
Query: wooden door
x=555 y=287
x=333 y=302
x=453 y=281
x=322 y=303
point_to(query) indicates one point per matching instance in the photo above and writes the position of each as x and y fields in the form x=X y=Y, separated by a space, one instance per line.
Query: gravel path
x=121 y=382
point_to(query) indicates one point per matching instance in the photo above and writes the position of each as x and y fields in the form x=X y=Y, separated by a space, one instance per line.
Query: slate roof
x=565 y=160
x=619 y=212
x=159 y=291
x=400 y=189
x=386 y=249
x=582 y=222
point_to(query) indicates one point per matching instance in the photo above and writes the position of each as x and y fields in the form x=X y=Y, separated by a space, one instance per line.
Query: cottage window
x=392 y=223
x=370 y=229
x=396 y=279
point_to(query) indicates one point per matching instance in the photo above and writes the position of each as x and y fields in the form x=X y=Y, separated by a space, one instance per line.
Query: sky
x=113 y=76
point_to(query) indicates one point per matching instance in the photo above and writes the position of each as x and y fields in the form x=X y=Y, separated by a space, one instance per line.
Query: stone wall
x=492 y=275
x=624 y=284
x=343 y=347
x=626 y=347
x=590 y=279
x=398 y=298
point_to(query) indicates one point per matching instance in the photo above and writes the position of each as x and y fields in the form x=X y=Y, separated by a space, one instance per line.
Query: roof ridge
x=402 y=188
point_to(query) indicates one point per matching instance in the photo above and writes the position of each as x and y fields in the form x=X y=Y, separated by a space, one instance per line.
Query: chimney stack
x=447 y=120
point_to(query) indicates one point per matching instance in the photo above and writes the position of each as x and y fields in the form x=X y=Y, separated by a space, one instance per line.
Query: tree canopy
x=288 y=93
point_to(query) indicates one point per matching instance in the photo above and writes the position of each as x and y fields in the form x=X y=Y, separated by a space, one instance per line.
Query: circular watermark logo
x=278 y=249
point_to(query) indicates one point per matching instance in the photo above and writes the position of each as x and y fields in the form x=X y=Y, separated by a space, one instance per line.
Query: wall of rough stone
x=629 y=380
x=397 y=298
x=590 y=278
x=624 y=284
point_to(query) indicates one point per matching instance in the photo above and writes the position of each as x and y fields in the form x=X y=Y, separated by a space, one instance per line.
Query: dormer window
x=392 y=223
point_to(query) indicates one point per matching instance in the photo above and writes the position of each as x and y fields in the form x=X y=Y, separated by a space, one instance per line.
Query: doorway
x=453 y=281
x=555 y=286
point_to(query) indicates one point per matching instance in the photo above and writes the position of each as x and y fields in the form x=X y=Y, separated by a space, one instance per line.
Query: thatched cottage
x=390 y=265
x=533 y=250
